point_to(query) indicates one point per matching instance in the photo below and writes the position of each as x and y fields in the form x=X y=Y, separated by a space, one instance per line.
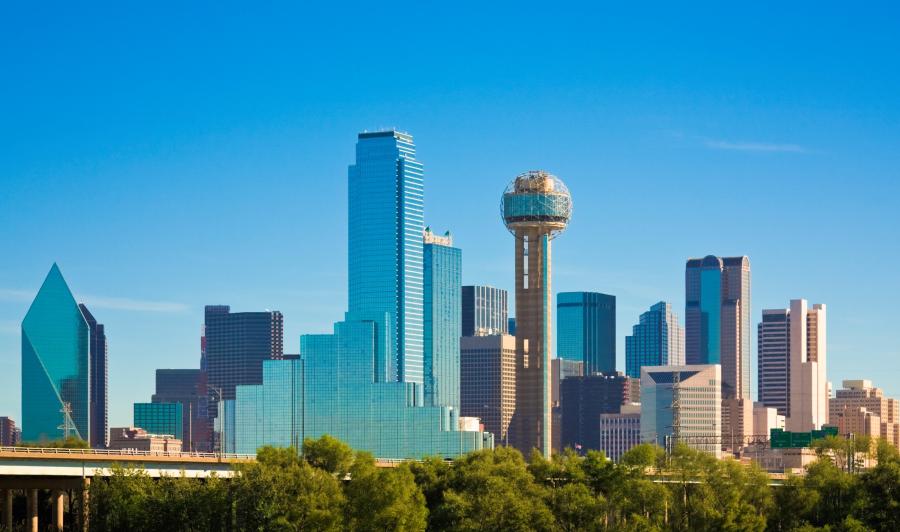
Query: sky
x=171 y=156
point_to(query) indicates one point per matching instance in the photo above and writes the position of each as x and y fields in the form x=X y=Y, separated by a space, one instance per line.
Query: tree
x=793 y=503
x=838 y=492
x=383 y=499
x=329 y=454
x=71 y=442
x=492 y=490
x=121 y=501
x=880 y=500
x=280 y=491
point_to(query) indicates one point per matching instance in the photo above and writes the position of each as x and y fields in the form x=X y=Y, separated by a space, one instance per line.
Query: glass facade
x=386 y=220
x=682 y=403
x=184 y=386
x=99 y=380
x=717 y=319
x=236 y=345
x=55 y=364
x=586 y=330
x=330 y=390
x=484 y=311
x=442 y=317
x=657 y=340
x=160 y=418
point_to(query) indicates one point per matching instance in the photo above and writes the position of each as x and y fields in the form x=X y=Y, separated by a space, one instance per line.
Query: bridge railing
x=123 y=452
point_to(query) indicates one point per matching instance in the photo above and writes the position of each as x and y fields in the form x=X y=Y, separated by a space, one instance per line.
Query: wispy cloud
x=111 y=303
x=753 y=146
x=15 y=295
x=137 y=305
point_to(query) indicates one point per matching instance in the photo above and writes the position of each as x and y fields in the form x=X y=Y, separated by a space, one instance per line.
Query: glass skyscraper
x=99 y=380
x=717 y=319
x=442 y=287
x=236 y=345
x=160 y=418
x=184 y=386
x=657 y=340
x=386 y=220
x=55 y=365
x=586 y=330
x=484 y=311
x=330 y=390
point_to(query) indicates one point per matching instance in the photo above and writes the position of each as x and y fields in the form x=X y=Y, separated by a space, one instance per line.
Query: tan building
x=488 y=382
x=861 y=394
x=138 y=439
x=808 y=382
x=765 y=419
x=857 y=420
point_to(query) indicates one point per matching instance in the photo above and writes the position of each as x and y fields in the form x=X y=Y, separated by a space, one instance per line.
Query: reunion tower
x=536 y=207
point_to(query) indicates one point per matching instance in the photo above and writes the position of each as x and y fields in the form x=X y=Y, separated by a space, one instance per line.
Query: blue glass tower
x=443 y=320
x=586 y=330
x=657 y=340
x=55 y=365
x=385 y=223
x=160 y=418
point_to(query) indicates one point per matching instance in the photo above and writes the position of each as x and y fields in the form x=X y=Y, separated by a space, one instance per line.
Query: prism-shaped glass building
x=56 y=397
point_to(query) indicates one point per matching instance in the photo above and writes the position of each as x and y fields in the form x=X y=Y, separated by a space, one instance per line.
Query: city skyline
x=205 y=186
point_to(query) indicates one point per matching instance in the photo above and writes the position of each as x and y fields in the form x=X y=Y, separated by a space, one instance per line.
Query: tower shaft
x=531 y=423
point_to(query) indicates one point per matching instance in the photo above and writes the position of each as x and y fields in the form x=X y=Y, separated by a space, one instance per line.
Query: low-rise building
x=138 y=439
x=620 y=432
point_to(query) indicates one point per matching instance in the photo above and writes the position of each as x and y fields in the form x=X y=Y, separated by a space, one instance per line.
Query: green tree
x=122 y=500
x=880 y=497
x=838 y=492
x=329 y=454
x=492 y=490
x=383 y=499
x=72 y=442
x=793 y=504
x=280 y=491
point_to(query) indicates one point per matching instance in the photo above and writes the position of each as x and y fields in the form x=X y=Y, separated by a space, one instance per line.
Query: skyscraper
x=583 y=400
x=484 y=311
x=858 y=398
x=586 y=330
x=442 y=298
x=773 y=345
x=183 y=386
x=717 y=319
x=9 y=433
x=682 y=404
x=488 y=382
x=99 y=380
x=809 y=383
x=236 y=345
x=55 y=365
x=657 y=340
x=536 y=207
x=385 y=224
x=160 y=418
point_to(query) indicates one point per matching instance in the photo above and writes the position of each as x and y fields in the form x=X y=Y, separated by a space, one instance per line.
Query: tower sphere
x=536 y=199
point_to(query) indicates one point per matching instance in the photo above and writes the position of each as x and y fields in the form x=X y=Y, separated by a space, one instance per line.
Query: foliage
x=331 y=487
x=72 y=442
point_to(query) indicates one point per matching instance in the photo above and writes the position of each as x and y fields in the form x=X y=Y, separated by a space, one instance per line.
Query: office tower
x=583 y=400
x=536 y=208
x=160 y=418
x=55 y=365
x=484 y=311
x=657 y=340
x=9 y=433
x=442 y=316
x=511 y=326
x=385 y=224
x=99 y=380
x=331 y=390
x=236 y=345
x=717 y=319
x=682 y=404
x=809 y=383
x=773 y=345
x=861 y=395
x=560 y=369
x=620 y=432
x=184 y=386
x=586 y=330
x=488 y=382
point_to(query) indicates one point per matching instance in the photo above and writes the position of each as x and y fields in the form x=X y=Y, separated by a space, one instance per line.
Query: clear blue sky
x=172 y=156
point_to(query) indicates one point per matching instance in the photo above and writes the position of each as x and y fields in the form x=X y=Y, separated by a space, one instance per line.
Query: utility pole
x=68 y=426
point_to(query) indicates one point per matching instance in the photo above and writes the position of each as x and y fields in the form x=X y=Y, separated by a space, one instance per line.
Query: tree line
x=327 y=486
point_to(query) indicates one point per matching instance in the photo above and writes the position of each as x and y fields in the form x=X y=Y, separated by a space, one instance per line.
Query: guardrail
x=123 y=452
